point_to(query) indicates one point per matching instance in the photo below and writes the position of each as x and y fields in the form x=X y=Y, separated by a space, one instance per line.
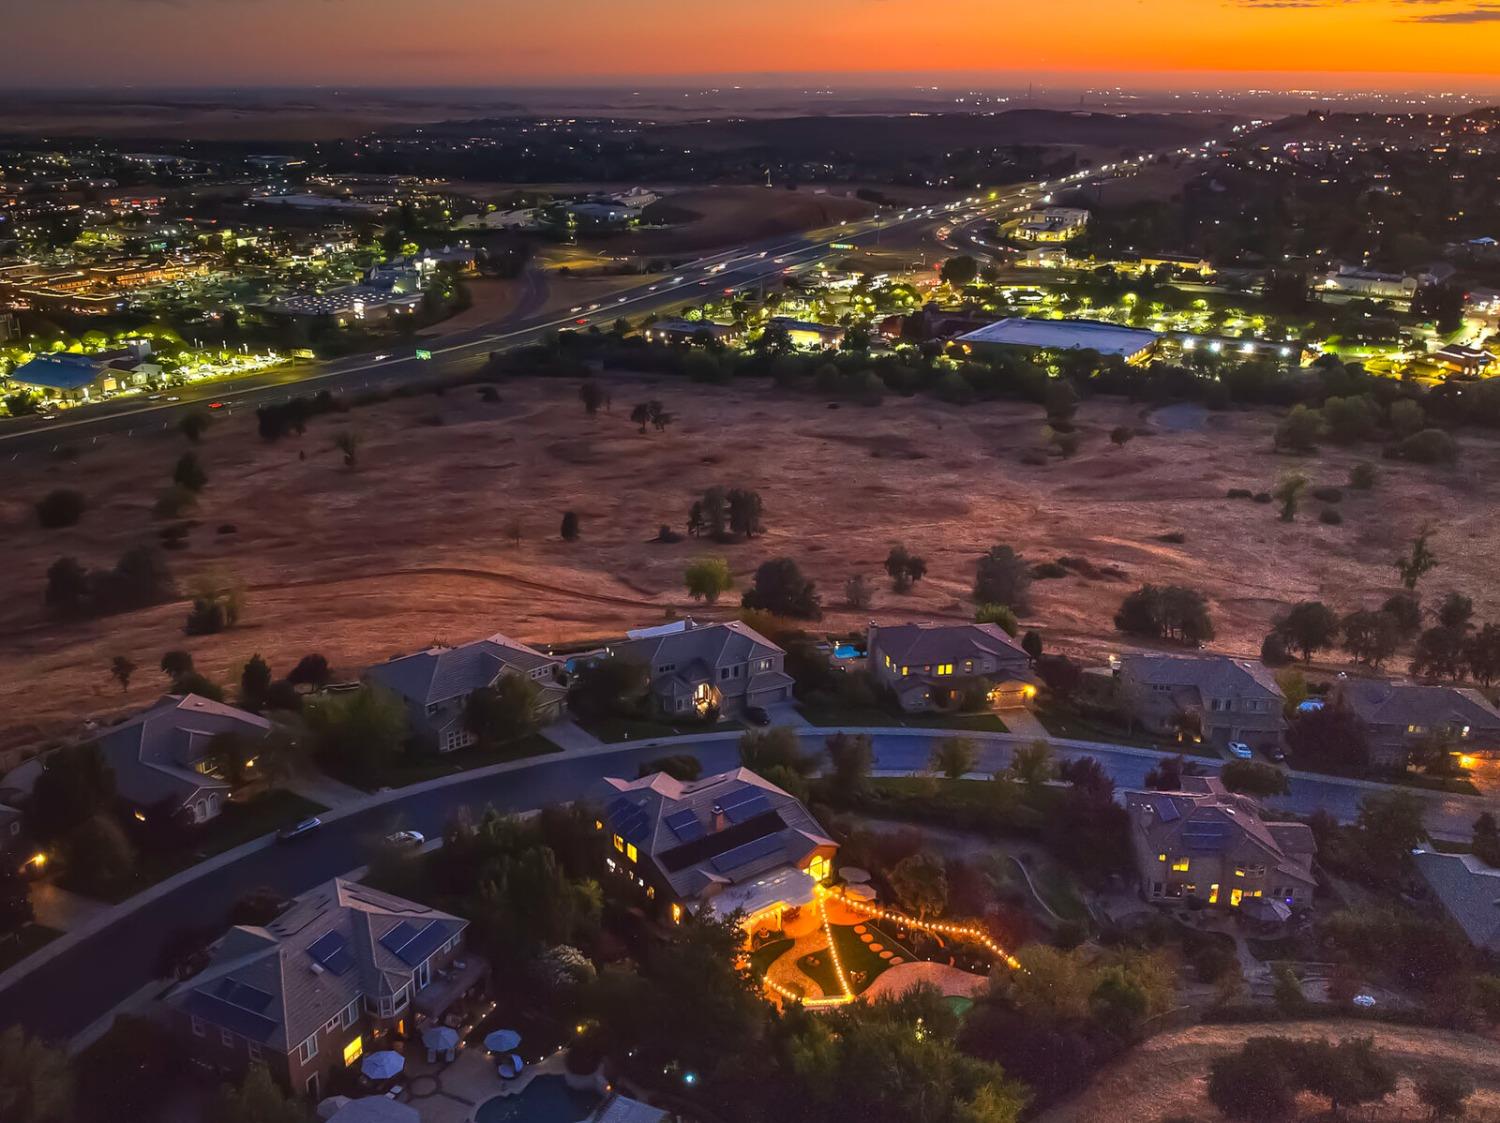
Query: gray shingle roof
x=1405 y=703
x=1469 y=890
x=1217 y=675
x=925 y=644
x=440 y=673
x=696 y=651
x=336 y=943
x=152 y=753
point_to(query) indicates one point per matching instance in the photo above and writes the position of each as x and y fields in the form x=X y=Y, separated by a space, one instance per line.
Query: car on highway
x=593 y=307
x=677 y=280
x=215 y=405
x=404 y=840
x=622 y=300
x=651 y=288
x=1241 y=750
x=382 y=358
x=300 y=829
x=576 y=308
x=174 y=398
x=581 y=320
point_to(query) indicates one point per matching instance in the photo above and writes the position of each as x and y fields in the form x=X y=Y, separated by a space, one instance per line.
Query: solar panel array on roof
x=740 y=794
x=1209 y=835
x=330 y=951
x=748 y=809
x=411 y=945
x=397 y=936
x=236 y=1019
x=242 y=995
x=685 y=825
x=1166 y=811
x=628 y=820
x=744 y=855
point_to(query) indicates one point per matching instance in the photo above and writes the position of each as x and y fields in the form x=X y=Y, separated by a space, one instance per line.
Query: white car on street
x=1240 y=750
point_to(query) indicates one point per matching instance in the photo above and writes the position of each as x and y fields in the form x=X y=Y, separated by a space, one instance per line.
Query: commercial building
x=937 y=666
x=344 y=970
x=1032 y=335
x=724 y=843
x=1207 y=844
x=808 y=335
x=1052 y=224
x=687 y=331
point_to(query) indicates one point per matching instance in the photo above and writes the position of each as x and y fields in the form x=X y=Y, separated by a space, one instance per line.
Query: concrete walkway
x=571 y=737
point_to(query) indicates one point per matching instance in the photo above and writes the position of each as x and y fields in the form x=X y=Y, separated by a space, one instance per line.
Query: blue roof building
x=64 y=371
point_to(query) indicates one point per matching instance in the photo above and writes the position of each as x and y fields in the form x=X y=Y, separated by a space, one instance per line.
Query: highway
x=59 y=997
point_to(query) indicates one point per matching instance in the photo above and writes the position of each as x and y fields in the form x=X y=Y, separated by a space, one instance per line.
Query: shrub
x=173 y=502
x=60 y=508
x=1262 y=497
x=1175 y=537
x=1362 y=477
x=1048 y=570
x=1238 y=493
x=1328 y=494
x=1430 y=446
x=997 y=614
x=1329 y=517
x=1274 y=651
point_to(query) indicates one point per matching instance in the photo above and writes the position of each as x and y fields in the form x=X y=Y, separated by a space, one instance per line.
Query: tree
x=1348 y=1074
x=99 y=858
x=358 y=734
x=1390 y=824
x=121 y=667
x=229 y=755
x=778 y=747
x=1031 y=643
x=904 y=567
x=851 y=756
x=194 y=424
x=1331 y=736
x=1287 y=491
x=680 y=767
x=569 y=530
x=1002 y=577
x=1299 y=430
x=15 y=900
x=1032 y=764
x=1060 y=400
x=59 y=508
x=955 y=757
x=592 y=397
x=1121 y=435
x=311 y=670
x=1309 y=626
x=75 y=784
x=1405 y=609
x=1171 y=612
x=708 y=578
x=1486 y=839
x=708 y=517
x=745 y=511
x=1256 y=1083
x=36 y=1081
x=255 y=683
x=780 y=588
x=1440 y=652
x=1482 y=655
x=1370 y=637
x=958 y=272
x=999 y=615
x=609 y=688
x=176 y=663
x=504 y=712
x=348 y=442
x=189 y=473
x=1251 y=777
x=1166 y=775
x=68 y=586
x=920 y=882
x=857 y=593
x=1418 y=562
x=1445 y=1092
x=258 y=1099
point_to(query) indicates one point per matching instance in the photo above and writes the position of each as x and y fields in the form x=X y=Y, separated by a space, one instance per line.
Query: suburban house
x=707 y=668
x=1399 y=715
x=1469 y=891
x=161 y=756
x=1205 y=843
x=733 y=841
x=1224 y=699
x=435 y=684
x=342 y=970
x=932 y=666
x=12 y=835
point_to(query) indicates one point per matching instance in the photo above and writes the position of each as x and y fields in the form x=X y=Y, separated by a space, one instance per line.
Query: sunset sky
x=1358 y=43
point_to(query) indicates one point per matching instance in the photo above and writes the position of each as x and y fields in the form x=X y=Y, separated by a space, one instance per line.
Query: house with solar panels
x=340 y=972
x=725 y=843
x=1211 y=845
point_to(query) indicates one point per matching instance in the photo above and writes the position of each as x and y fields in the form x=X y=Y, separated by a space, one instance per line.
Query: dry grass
x=412 y=545
x=1165 y=1076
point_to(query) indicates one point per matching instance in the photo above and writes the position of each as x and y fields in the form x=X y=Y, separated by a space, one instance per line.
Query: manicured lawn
x=861 y=965
x=615 y=729
x=239 y=823
x=835 y=715
x=1066 y=723
x=1458 y=785
x=417 y=769
x=765 y=955
x=18 y=945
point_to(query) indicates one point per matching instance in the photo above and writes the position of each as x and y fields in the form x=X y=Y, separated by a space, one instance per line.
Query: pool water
x=847 y=651
x=547 y=1099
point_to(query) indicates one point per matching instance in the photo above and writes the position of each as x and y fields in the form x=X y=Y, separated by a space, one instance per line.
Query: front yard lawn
x=822 y=714
x=1067 y=723
x=614 y=729
x=417 y=768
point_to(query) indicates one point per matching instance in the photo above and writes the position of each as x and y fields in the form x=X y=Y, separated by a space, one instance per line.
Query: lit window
x=1239 y=871
x=631 y=852
x=819 y=868
x=650 y=892
x=676 y=913
x=354 y=1050
x=1161 y=857
x=598 y=825
x=1213 y=893
x=905 y=670
x=619 y=843
x=1180 y=865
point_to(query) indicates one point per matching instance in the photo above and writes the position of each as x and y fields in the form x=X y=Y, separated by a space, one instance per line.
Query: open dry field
x=734 y=215
x=411 y=546
x=1164 y=1078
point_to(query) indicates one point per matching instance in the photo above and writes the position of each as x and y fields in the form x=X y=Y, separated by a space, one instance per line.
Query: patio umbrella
x=502 y=1041
x=329 y=1107
x=860 y=892
x=854 y=875
x=382 y=1065
x=1266 y=910
x=440 y=1038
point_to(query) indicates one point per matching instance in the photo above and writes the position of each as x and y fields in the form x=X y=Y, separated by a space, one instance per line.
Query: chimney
x=719 y=820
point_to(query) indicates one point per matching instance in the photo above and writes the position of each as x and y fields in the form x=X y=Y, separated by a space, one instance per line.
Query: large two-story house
x=340 y=972
x=724 y=843
x=435 y=684
x=1211 y=845
x=930 y=666
x=1223 y=699
x=708 y=668
x=1398 y=716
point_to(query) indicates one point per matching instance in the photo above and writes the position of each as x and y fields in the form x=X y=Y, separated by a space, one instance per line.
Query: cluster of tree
x=71 y=811
x=904 y=568
x=1262 y=1079
x=652 y=413
x=1170 y=612
x=357 y=735
x=723 y=513
x=608 y=688
x=781 y=588
x=503 y=712
x=1362 y=417
x=707 y=579
x=1003 y=577
x=277 y=419
x=218 y=603
x=139 y=579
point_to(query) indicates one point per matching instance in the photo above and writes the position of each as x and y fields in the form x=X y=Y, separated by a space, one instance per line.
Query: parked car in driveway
x=298 y=830
x=757 y=715
x=1241 y=750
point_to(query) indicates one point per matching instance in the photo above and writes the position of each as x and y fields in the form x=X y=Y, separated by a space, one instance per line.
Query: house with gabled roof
x=1224 y=699
x=1469 y=890
x=930 y=666
x=1398 y=716
x=708 y=668
x=160 y=756
x=1211 y=845
x=724 y=843
x=436 y=683
x=340 y=972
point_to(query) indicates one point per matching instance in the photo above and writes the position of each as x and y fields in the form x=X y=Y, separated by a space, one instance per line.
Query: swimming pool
x=547 y=1099
x=847 y=651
